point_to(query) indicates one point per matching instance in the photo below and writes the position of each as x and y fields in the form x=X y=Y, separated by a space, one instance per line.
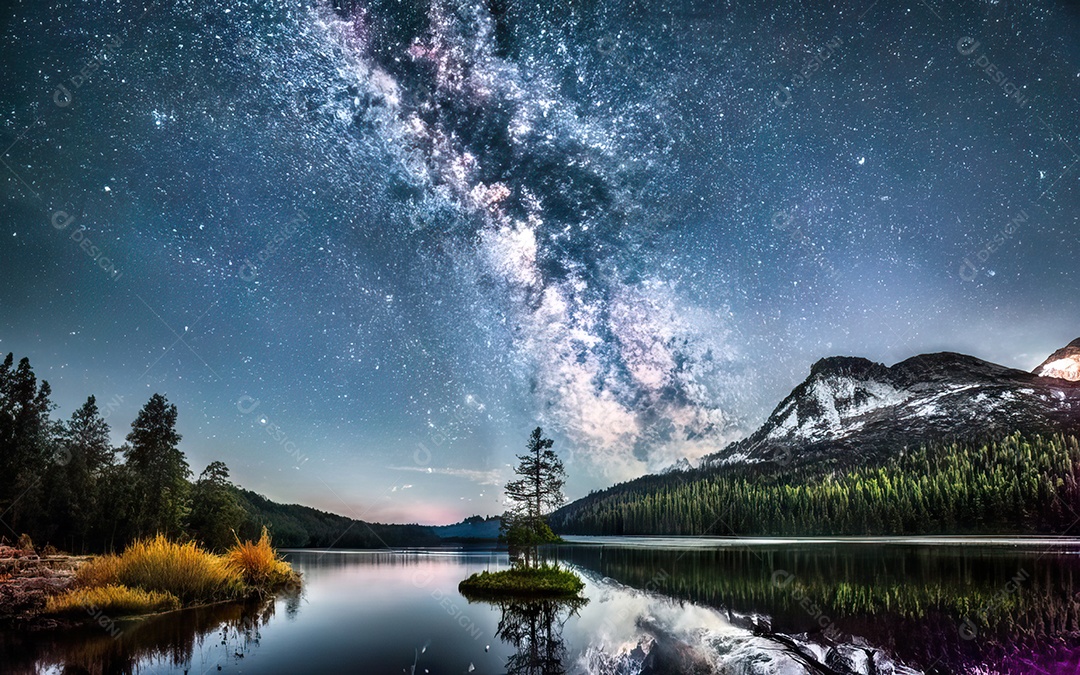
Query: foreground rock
x=27 y=580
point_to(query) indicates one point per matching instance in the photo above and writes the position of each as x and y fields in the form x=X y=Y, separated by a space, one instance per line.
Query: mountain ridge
x=848 y=415
x=1063 y=364
x=852 y=405
x=976 y=434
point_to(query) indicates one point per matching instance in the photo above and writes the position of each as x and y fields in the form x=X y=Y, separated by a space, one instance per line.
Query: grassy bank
x=155 y=575
x=548 y=581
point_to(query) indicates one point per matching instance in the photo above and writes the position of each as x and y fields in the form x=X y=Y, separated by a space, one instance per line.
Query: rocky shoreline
x=27 y=580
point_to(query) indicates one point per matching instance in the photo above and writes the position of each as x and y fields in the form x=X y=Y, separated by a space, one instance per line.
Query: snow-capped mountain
x=680 y=466
x=849 y=408
x=1063 y=364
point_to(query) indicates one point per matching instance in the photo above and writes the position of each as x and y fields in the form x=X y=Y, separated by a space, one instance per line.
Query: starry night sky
x=366 y=246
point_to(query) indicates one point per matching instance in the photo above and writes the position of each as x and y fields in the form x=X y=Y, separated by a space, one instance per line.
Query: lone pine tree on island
x=538 y=490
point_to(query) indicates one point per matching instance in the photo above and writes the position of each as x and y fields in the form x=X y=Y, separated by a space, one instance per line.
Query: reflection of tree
x=168 y=638
x=533 y=627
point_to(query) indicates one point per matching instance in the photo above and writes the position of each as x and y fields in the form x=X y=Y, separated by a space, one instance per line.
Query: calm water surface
x=652 y=607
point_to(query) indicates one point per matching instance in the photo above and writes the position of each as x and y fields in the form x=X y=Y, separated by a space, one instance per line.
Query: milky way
x=386 y=226
x=537 y=196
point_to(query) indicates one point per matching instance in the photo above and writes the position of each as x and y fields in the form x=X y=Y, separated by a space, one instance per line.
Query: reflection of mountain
x=533 y=627
x=169 y=638
x=942 y=611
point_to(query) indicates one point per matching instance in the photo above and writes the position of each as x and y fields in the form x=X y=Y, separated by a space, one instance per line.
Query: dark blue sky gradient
x=365 y=247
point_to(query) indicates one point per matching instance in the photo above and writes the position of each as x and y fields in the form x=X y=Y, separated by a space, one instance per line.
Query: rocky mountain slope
x=1063 y=364
x=850 y=409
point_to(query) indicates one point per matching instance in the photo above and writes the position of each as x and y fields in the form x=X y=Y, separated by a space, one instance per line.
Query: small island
x=538 y=489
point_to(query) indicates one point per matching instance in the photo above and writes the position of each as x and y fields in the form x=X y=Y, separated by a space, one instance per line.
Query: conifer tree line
x=64 y=484
x=1015 y=485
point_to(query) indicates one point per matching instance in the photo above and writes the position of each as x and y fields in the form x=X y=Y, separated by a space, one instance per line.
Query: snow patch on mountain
x=1066 y=369
x=1064 y=364
x=851 y=407
x=835 y=402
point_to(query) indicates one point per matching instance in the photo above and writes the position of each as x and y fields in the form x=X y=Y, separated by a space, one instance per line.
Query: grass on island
x=154 y=575
x=543 y=581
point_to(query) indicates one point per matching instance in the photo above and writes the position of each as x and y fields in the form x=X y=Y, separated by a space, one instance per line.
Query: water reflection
x=651 y=611
x=534 y=628
x=939 y=609
x=167 y=641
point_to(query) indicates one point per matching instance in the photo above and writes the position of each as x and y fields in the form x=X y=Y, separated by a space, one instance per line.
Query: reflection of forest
x=170 y=638
x=943 y=609
x=533 y=627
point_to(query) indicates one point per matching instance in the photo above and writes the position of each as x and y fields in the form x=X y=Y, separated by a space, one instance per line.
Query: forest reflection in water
x=941 y=609
x=167 y=640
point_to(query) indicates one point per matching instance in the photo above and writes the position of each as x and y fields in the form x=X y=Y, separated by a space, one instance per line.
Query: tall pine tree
x=26 y=445
x=74 y=481
x=159 y=469
x=537 y=491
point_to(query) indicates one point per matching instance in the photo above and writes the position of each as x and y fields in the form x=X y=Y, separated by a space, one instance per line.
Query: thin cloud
x=490 y=477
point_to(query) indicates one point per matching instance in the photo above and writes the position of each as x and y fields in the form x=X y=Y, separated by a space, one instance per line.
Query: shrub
x=158 y=575
x=258 y=563
x=111 y=600
x=184 y=570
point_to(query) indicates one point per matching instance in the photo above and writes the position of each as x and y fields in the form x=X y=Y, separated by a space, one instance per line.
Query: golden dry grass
x=156 y=575
x=258 y=563
x=101 y=571
x=111 y=600
x=184 y=570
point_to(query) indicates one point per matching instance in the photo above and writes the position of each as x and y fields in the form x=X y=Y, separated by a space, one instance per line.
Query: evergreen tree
x=216 y=514
x=538 y=491
x=1013 y=484
x=26 y=445
x=159 y=469
x=73 y=480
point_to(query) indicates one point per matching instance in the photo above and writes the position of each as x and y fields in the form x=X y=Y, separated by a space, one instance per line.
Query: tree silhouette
x=26 y=442
x=73 y=482
x=216 y=514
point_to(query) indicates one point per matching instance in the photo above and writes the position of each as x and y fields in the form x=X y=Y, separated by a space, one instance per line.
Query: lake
x=653 y=606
